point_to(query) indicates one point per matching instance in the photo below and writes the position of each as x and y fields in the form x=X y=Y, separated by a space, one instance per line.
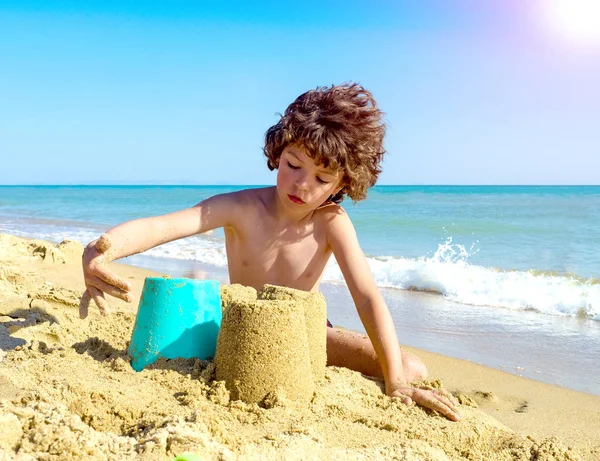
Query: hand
x=98 y=279
x=434 y=399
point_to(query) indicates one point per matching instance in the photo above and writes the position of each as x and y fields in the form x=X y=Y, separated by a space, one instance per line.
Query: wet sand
x=67 y=391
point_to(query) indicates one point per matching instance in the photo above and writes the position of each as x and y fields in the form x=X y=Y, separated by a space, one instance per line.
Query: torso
x=263 y=249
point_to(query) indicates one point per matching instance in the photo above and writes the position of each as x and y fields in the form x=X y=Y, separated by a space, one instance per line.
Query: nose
x=302 y=181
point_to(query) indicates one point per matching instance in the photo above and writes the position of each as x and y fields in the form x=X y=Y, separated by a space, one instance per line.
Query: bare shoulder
x=238 y=199
x=254 y=199
x=228 y=209
x=334 y=221
x=329 y=212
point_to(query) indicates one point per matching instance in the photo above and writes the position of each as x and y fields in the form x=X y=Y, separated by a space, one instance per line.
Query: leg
x=355 y=351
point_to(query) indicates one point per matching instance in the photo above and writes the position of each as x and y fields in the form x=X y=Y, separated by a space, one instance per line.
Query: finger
x=431 y=401
x=98 y=298
x=448 y=401
x=445 y=410
x=447 y=404
x=443 y=398
x=84 y=304
x=448 y=395
x=103 y=243
x=102 y=273
x=405 y=399
x=109 y=289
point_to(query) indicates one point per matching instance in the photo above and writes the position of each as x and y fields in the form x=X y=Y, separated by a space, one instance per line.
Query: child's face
x=302 y=183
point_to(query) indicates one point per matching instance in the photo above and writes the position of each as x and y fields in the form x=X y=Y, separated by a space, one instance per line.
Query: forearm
x=132 y=237
x=379 y=325
x=139 y=235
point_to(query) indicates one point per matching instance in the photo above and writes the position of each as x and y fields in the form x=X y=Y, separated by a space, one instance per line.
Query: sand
x=315 y=315
x=262 y=352
x=67 y=391
x=271 y=344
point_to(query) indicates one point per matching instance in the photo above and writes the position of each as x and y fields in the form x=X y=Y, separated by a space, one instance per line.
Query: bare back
x=262 y=248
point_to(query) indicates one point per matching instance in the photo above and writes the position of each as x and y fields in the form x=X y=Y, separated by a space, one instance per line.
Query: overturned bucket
x=176 y=318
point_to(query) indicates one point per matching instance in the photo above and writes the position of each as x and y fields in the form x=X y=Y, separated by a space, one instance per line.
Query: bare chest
x=295 y=258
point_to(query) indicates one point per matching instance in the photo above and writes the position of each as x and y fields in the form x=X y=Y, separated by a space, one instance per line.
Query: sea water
x=507 y=276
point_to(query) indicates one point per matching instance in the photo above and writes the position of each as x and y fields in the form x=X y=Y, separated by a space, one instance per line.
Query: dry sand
x=67 y=391
x=263 y=352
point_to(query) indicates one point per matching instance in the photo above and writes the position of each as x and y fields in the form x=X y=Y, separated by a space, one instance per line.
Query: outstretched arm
x=139 y=235
x=376 y=317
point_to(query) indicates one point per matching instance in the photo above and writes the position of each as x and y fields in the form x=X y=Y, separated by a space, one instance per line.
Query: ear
x=337 y=196
x=339 y=188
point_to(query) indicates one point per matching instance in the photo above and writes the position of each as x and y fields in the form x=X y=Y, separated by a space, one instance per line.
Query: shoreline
x=524 y=344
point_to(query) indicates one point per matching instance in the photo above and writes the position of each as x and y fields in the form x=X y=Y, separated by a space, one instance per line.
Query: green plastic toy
x=187 y=457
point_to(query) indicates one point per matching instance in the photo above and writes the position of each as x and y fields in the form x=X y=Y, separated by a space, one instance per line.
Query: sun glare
x=578 y=20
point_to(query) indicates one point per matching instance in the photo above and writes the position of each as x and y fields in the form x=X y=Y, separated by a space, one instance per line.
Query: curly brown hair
x=341 y=127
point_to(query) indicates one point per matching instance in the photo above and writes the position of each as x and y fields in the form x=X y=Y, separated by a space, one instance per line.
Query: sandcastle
x=271 y=342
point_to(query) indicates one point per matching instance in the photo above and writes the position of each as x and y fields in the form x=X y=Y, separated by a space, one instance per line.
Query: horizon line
x=170 y=184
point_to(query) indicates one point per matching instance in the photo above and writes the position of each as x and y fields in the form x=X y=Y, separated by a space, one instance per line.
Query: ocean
x=505 y=276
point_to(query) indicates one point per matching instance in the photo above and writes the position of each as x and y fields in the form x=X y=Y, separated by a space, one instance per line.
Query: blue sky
x=183 y=91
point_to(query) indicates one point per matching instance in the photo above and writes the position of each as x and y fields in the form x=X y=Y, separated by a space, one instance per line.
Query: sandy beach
x=67 y=391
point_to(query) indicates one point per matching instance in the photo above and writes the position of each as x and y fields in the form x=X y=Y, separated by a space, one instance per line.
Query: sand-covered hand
x=434 y=399
x=99 y=280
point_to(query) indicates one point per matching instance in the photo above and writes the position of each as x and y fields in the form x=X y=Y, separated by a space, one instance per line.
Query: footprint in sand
x=523 y=407
x=486 y=399
x=464 y=399
x=488 y=396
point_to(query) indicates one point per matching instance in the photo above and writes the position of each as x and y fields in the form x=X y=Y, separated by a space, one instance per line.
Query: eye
x=293 y=167
x=322 y=181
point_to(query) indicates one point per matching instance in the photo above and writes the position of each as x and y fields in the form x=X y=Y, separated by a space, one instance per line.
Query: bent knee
x=414 y=368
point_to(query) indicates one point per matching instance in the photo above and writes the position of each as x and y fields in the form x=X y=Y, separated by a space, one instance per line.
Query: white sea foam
x=447 y=272
x=484 y=286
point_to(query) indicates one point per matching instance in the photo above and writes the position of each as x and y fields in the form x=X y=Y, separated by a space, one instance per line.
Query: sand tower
x=237 y=292
x=267 y=342
x=315 y=313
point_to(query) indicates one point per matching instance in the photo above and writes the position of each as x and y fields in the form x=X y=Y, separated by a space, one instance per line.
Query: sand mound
x=262 y=351
x=271 y=344
x=315 y=312
x=66 y=252
x=239 y=292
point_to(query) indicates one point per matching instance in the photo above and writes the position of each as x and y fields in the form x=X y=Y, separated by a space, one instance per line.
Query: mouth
x=295 y=199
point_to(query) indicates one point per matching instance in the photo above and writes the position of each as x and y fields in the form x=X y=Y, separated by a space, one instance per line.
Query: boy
x=328 y=144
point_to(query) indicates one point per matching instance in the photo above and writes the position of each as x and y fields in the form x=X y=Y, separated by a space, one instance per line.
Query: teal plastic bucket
x=176 y=318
